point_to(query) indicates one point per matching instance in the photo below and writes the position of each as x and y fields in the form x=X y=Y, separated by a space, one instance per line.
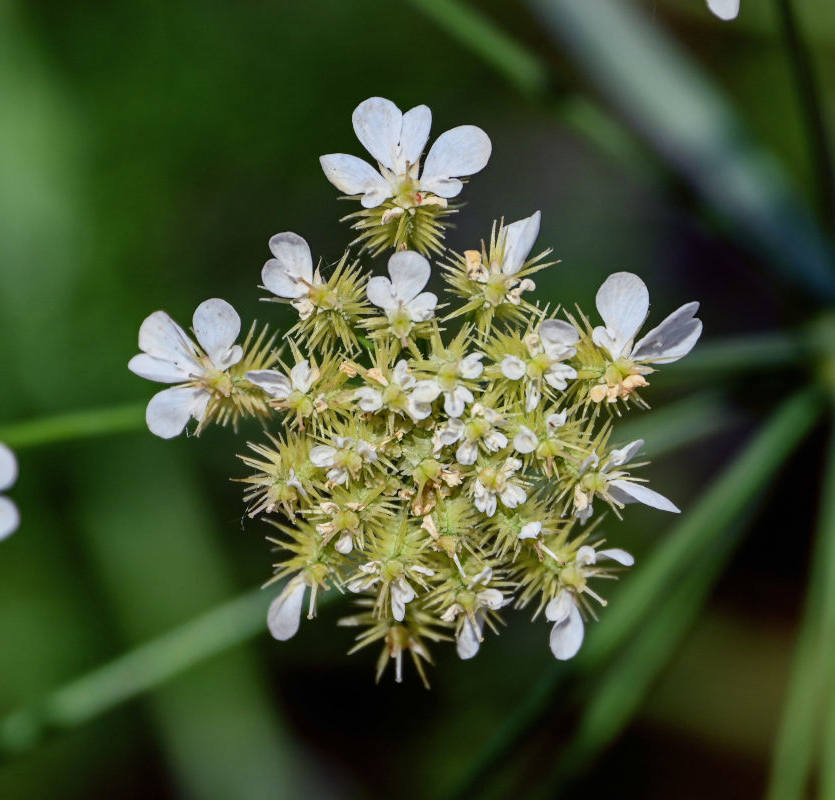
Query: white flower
x=9 y=515
x=456 y=394
x=469 y=633
x=530 y=530
x=401 y=297
x=284 y=614
x=623 y=303
x=396 y=140
x=170 y=356
x=345 y=458
x=724 y=9
x=526 y=441
x=400 y=590
x=613 y=484
x=568 y=631
x=551 y=345
x=279 y=386
x=289 y=274
x=479 y=429
x=492 y=484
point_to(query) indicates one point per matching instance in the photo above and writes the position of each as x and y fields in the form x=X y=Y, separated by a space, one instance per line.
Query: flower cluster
x=439 y=463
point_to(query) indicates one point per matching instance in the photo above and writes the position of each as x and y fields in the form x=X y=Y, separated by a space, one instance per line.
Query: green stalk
x=812 y=669
x=74 y=425
x=709 y=521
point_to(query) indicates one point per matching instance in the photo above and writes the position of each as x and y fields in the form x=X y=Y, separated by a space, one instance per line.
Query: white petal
x=161 y=337
x=285 y=611
x=370 y=400
x=558 y=337
x=345 y=543
x=485 y=503
x=455 y=401
x=616 y=554
x=169 y=411
x=413 y=135
x=377 y=124
x=217 y=325
x=518 y=241
x=530 y=530
x=401 y=593
x=513 y=495
x=322 y=455
x=513 y=368
x=381 y=293
x=492 y=598
x=467 y=453
x=450 y=432
x=287 y=273
x=623 y=303
x=559 y=607
x=8 y=467
x=409 y=272
x=162 y=370
x=461 y=151
x=724 y=9
x=559 y=374
x=586 y=555
x=352 y=175
x=554 y=421
x=532 y=396
x=337 y=475
x=9 y=517
x=274 y=383
x=426 y=391
x=401 y=375
x=525 y=441
x=624 y=454
x=422 y=307
x=629 y=492
x=366 y=450
x=567 y=636
x=672 y=339
x=494 y=441
x=471 y=367
x=417 y=410
x=469 y=637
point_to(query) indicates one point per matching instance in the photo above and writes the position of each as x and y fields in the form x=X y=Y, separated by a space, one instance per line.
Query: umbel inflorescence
x=441 y=463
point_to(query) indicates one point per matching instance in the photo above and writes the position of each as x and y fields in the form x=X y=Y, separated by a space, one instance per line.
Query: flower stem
x=712 y=519
x=74 y=425
x=813 y=667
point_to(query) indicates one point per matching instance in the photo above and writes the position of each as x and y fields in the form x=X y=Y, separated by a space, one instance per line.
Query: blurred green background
x=147 y=152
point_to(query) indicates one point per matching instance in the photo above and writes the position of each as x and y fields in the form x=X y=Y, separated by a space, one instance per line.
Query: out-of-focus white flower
x=9 y=515
x=396 y=140
x=623 y=303
x=344 y=459
x=401 y=297
x=568 y=630
x=613 y=485
x=724 y=9
x=170 y=356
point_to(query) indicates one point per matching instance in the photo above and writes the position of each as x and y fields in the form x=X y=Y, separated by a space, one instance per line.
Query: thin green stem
x=813 y=664
x=711 y=519
x=812 y=108
x=74 y=425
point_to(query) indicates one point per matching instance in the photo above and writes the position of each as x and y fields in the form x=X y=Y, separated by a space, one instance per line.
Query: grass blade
x=813 y=666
